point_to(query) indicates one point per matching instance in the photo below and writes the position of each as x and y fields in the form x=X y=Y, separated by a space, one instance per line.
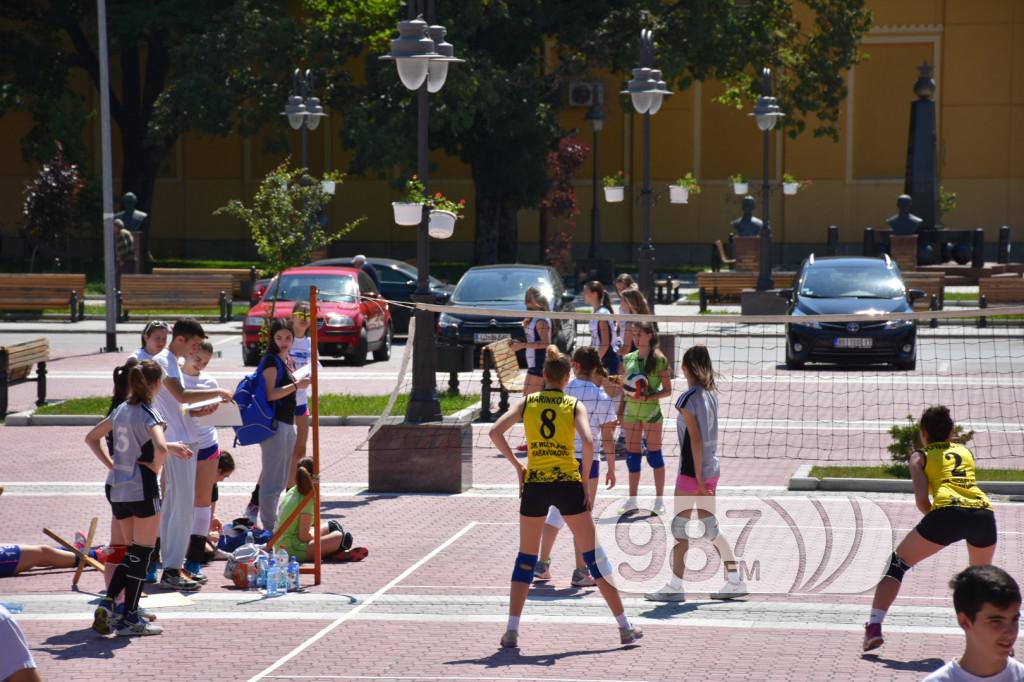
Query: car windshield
x=480 y=286
x=332 y=288
x=822 y=282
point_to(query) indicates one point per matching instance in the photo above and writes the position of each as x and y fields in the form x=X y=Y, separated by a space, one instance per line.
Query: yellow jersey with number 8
x=951 y=477
x=549 y=419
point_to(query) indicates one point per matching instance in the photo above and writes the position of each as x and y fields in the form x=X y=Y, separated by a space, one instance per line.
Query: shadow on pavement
x=924 y=665
x=505 y=657
x=79 y=644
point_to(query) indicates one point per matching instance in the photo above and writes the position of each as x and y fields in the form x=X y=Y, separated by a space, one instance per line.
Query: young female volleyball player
x=538 y=338
x=139 y=453
x=586 y=366
x=207 y=454
x=301 y=353
x=154 y=340
x=642 y=418
x=958 y=510
x=697 y=428
x=603 y=334
x=298 y=538
x=552 y=478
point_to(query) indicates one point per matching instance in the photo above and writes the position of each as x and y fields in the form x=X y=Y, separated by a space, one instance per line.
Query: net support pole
x=314 y=415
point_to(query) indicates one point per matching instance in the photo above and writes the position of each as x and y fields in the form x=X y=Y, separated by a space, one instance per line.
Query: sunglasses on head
x=301 y=315
x=157 y=324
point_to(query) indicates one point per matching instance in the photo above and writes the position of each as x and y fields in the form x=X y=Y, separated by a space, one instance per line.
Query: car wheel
x=791 y=362
x=250 y=356
x=358 y=357
x=907 y=366
x=383 y=354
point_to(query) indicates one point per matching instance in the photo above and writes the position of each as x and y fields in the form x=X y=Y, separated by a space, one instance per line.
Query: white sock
x=622 y=620
x=513 y=623
x=732 y=576
x=877 y=616
x=676 y=583
x=201 y=518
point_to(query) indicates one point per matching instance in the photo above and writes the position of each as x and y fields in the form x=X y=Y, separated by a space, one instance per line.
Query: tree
x=177 y=66
x=498 y=111
x=51 y=201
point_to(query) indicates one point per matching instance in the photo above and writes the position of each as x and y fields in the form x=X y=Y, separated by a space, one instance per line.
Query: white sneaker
x=140 y=628
x=731 y=590
x=629 y=506
x=667 y=593
x=659 y=508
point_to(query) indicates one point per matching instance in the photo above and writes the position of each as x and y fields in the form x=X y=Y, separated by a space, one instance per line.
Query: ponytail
x=602 y=293
x=121 y=383
x=304 y=476
x=590 y=362
x=556 y=366
x=655 y=355
x=144 y=382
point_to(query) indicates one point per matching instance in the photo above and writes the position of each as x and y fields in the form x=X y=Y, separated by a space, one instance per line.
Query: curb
x=801 y=480
x=29 y=418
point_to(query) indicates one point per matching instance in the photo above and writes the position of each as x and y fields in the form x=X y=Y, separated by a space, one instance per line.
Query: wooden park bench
x=999 y=289
x=38 y=292
x=175 y=292
x=242 y=279
x=933 y=285
x=720 y=257
x=719 y=286
x=666 y=290
x=16 y=363
x=499 y=356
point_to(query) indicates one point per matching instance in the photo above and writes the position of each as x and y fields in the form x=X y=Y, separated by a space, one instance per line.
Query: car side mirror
x=916 y=294
x=443 y=296
x=568 y=298
x=786 y=293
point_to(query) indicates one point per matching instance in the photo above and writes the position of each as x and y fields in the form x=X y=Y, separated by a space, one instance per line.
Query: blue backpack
x=258 y=422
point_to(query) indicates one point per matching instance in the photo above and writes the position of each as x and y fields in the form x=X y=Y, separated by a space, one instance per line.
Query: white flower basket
x=328 y=186
x=790 y=187
x=740 y=187
x=613 y=195
x=442 y=224
x=677 y=194
x=407 y=213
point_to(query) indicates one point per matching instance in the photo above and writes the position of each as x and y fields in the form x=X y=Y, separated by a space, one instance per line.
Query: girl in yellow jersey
x=551 y=477
x=958 y=510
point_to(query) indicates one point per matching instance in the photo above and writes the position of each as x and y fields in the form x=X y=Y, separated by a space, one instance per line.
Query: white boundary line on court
x=446 y=677
x=359 y=607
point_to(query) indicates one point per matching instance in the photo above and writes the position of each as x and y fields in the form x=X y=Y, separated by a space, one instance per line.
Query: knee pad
x=633 y=461
x=554 y=518
x=523 y=571
x=597 y=563
x=115 y=554
x=655 y=459
x=897 y=568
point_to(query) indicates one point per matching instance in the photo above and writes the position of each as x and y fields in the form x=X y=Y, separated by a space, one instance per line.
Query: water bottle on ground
x=281 y=555
x=249 y=540
x=294 y=584
x=252 y=575
x=261 y=572
x=272 y=578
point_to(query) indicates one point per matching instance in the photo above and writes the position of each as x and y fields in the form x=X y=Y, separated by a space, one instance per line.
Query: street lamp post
x=647 y=91
x=595 y=119
x=303 y=110
x=766 y=113
x=422 y=56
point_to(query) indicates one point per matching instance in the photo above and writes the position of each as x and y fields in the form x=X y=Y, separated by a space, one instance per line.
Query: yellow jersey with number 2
x=951 y=477
x=549 y=419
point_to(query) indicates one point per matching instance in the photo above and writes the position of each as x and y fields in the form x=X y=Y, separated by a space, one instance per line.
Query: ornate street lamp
x=303 y=110
x=766 y=113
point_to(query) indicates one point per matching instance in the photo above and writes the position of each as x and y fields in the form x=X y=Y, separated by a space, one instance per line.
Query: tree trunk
x=497 y=226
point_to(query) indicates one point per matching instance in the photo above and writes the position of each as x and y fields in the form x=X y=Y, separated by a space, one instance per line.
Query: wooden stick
x=71 y=548
x=315 y=416
x=88 y=546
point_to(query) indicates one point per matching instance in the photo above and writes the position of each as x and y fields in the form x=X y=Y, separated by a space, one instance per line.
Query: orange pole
x=314 y=415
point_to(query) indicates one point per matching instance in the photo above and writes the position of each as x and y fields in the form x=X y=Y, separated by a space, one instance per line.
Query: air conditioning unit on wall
x=585 y=93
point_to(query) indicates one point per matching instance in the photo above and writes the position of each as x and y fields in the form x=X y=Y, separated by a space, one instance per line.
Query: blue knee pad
x=655 y=459
x=633 y=462
x=590 y=559
x=523 y=571
x=597 y=563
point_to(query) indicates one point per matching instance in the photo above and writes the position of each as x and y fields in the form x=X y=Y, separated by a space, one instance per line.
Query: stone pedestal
x=747 y=251
x=903 y=250
x=421 y=458
x=754 y=302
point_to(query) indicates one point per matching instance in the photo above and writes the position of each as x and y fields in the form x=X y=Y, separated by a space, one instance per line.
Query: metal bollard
x=978 y=249
x=982 y=303
x=934 y=305
x=485 y=389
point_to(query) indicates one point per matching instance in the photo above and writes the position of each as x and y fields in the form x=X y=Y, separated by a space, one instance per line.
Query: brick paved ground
x=429 y=602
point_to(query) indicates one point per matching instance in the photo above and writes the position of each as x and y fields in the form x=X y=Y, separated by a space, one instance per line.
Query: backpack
x=258 y=422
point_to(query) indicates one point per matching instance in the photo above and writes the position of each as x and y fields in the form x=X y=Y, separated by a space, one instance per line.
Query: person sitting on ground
x=297 y=538
x=15 y=559
x=987 y=604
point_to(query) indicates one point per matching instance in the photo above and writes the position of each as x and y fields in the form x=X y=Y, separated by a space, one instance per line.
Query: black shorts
x=141 y=509
x=951 y=524
x=565 y=496
x=535 y=371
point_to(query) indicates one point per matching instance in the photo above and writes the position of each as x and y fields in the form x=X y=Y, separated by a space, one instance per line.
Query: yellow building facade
x=976 y=46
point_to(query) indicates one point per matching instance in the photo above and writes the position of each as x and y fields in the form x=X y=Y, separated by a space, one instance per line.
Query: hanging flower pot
x=407 y=213
x=790 y=187
x=614 y=195
x=740 y=187
x=328 y=186
x=678 y=194
x=442 y=224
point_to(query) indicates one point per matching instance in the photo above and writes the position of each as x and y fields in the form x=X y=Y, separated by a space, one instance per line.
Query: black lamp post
x=766 y=113
x=422 y=57
x=303 y=110
x=595 y=119
x=646 y=90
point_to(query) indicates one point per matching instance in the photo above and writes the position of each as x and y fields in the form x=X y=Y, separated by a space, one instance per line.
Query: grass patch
x=139 y=315
x=346 y=405
x=96 y=404
x=902 y=471
x=960 y=296
x=206 y=264
x=693 y=296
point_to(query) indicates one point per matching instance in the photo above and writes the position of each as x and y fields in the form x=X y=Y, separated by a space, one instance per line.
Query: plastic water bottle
x=281 y=555
x=261 y=572
x=294 y=584
x=13 y=606
x=249 y=540
x=252 y=573
x=272 y=578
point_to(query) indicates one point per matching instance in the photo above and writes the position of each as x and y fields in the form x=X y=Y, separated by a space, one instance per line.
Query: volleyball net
x=776 y=400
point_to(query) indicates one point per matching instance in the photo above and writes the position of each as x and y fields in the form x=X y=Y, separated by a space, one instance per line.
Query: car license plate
x=853 y=342
x=488 y=337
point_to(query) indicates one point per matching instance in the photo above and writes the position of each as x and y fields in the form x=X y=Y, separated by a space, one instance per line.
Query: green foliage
x=414 y=190
x=282 y=206
x=346 y=405
x=617 y=180
x=689 y=183
x=737 y=178
x=906 y=438
x=439 y=202
x=50 y=203
x=947 y=201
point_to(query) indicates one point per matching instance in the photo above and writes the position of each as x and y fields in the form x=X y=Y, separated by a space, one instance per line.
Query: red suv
x=352 y=318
